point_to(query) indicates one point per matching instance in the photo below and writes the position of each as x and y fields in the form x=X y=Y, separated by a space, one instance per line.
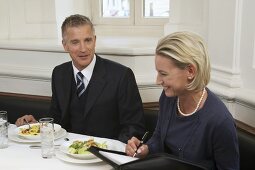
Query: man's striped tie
x=80 y=84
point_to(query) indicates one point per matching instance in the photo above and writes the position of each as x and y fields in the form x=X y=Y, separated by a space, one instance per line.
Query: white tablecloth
x=18 y=156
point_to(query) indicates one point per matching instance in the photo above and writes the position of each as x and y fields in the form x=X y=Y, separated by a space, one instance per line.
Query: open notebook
x=114 y=158
x=118 y=159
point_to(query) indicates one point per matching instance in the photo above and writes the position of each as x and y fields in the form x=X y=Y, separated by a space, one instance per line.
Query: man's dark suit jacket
x=114 y=107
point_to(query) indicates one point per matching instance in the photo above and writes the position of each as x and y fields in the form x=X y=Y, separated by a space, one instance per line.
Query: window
x=130 y=12
x=156 y=8
x=115 y=8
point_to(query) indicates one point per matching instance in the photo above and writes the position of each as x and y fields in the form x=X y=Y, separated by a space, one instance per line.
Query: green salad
x=81 y=147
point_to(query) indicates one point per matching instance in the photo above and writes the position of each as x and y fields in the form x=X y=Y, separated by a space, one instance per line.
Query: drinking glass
x=47 y=137
x=3 y=130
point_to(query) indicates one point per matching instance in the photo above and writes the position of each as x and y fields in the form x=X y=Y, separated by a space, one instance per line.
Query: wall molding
x=226 y=77
x=120 y=45
x=27 y=73
x=253 y=56
x=237 y=35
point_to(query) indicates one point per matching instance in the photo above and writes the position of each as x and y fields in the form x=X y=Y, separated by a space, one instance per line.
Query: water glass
x=3 y=130
x=47 y=137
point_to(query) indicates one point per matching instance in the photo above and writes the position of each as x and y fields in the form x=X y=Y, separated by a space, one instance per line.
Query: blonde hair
x=185 y=48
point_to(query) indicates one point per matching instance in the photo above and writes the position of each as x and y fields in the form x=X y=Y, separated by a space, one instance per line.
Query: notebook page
x=118 y=159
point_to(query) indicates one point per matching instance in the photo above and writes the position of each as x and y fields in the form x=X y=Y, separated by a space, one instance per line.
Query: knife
x=39 y=146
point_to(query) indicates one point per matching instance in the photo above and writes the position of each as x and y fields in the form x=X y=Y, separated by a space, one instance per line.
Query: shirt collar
x=87 y=72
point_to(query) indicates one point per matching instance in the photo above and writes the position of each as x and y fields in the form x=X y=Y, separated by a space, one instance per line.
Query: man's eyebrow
x=74 y=40
x=88 y=38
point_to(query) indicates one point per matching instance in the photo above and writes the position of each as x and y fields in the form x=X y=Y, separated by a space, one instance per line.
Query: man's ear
x=64 y=45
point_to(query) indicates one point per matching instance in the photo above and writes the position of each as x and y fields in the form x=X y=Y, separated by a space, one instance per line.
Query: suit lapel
x=97 y=84
x=66 y=82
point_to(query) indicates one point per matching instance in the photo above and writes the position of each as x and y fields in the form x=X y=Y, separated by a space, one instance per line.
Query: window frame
x=99 y=20
x=141 y=20
x=136 y=16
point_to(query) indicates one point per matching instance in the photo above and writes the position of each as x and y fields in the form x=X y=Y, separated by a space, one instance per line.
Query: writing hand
x=136 y=148
x=141 y=143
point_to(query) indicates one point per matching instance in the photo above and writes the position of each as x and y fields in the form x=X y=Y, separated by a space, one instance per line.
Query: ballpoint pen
x=141 y=142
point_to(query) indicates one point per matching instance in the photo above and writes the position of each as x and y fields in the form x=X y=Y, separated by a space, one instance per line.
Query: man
x=106 y=102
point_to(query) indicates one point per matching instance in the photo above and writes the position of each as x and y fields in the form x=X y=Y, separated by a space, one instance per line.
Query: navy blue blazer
x=114 y=107
x=211 y=140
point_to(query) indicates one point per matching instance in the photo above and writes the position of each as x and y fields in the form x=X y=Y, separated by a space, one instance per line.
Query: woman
x=193 y=123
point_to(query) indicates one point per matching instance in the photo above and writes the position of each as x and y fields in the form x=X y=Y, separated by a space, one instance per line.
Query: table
x=18 y=156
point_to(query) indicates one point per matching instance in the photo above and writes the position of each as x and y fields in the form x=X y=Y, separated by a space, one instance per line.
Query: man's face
x=80 y=43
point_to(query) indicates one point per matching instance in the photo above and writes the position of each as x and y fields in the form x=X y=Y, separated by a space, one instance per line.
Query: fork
x=29 y=127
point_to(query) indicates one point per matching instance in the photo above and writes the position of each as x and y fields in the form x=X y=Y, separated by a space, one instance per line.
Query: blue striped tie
x=80 y=84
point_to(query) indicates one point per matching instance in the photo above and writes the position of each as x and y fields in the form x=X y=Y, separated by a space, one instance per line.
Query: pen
x=141 y=142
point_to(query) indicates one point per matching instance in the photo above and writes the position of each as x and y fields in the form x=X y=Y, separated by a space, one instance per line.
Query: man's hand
x=22 y=120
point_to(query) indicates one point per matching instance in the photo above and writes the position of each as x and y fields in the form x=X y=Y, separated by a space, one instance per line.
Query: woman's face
x=170 y=77
x=80 y=43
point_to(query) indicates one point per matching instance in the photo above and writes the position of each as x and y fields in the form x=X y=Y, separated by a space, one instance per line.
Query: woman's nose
x=159 y=81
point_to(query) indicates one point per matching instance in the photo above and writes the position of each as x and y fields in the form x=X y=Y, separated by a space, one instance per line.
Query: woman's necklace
x=198 y=104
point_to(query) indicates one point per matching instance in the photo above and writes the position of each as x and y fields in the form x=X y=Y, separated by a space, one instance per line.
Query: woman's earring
x=189 y=77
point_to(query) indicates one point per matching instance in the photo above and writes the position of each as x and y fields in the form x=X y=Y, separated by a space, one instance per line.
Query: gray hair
x=185 y=48
x=75 y=21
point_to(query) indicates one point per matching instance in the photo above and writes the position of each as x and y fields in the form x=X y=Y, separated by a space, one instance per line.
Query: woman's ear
x=191 y=71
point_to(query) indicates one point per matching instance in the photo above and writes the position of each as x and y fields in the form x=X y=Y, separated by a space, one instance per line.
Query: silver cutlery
x=29 y=127
x=39 y=146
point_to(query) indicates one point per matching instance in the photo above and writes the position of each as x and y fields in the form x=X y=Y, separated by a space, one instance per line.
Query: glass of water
x=3 y=130
x=47 y=137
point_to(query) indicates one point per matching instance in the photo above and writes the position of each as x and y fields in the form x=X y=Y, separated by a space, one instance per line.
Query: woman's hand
x=133 y=150
x=22 y=120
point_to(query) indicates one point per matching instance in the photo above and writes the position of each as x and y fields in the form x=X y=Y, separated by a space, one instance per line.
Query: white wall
x=231 y=46
x=227 y=26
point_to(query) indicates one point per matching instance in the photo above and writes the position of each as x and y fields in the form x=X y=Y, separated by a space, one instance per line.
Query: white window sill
x=131 y=46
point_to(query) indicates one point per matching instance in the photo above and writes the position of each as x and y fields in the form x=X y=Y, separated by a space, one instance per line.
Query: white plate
x=64 y=157
x=57 y=128
x=65 y=146
x=14 y=137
